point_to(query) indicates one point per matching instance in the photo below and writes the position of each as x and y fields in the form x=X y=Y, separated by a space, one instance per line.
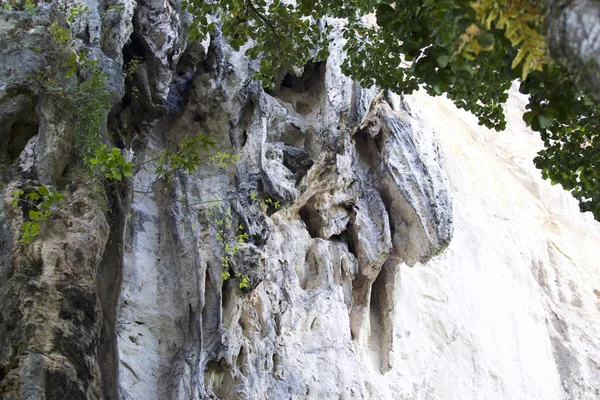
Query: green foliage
x=117 y=8
x=243 y=281
x=274 y=25
x=270 y=203
x=61 y=36
x=78 y=63
x=91 y=100
x=432 y=56
x=131 y=67
x=569 y=124
x=224 y=159
x=111 y=163
x=521 y=21
x=38 y=204
x=5 y=6
x=30 y=8
x=220 y=218
x=75 y=12
x=187 y=158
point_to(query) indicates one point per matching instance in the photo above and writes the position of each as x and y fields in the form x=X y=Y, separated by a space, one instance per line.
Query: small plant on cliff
x=37 y=204
x=78 y=63
x=5 y=6
x=222 y=221
x=117 y=8
x=92 y=101
x=60 y=35
x=187 y=158
x=111 y=163
x=131 y=67
x=30 y=8
x=230 y=239
x=224 y=159
x=75 y=12
x=270 y=203
x=243 y=281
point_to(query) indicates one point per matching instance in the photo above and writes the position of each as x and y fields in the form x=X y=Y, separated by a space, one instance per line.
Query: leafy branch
x=77 y=63
x=111 y=163
x=521 y=22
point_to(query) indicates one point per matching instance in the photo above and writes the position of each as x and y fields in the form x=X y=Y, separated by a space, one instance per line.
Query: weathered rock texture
x=352 y=290
x=574 y=39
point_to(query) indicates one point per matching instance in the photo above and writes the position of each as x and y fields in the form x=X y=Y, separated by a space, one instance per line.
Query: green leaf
x=432 y=79
x=127 y=170
x=528 y=117
x=42 y=190
x=486 y=40
x=545 y=120
x=116 y=174
x=70 y=72
x=459 y=64
x=447 y=77
x=442 y=61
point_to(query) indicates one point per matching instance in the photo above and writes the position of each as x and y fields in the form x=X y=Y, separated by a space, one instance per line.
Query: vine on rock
x=230 y=244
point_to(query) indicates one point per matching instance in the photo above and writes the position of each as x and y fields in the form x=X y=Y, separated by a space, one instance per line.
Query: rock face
x=392 y=248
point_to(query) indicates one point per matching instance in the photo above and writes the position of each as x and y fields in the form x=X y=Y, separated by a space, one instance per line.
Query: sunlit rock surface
x=350 y=298
x=510 y=310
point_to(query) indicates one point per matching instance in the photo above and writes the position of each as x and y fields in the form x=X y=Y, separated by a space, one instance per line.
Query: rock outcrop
x=391 y=248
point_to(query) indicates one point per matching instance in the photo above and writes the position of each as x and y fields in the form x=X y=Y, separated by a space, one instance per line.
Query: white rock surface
x=508 y=311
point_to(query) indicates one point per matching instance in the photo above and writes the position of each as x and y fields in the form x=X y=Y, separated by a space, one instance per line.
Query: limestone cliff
x=395 y=249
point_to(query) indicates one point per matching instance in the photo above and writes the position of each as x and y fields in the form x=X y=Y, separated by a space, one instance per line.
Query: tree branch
x=262 y=17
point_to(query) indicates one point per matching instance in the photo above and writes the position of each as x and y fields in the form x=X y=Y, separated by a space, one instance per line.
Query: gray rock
x=49 y=306
x=26 y=161
x=413 y=187
x=278 y=180
x=371 y=233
